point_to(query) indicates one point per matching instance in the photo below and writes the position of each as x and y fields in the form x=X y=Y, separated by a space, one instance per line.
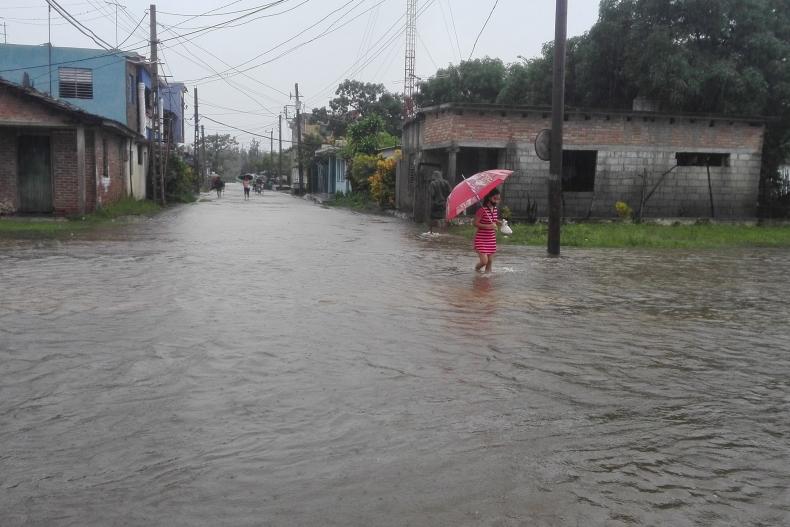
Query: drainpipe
x=141 y=107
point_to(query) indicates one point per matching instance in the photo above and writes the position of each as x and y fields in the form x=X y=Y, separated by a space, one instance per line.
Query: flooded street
x=276 y=363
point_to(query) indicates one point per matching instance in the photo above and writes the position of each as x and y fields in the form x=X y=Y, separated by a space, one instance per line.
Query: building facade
x=59 y=159
x=329 y=173
x=687 y=165
x=115 y=85
x=173 y=112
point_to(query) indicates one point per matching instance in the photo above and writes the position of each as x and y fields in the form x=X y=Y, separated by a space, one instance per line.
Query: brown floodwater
x=276 y=363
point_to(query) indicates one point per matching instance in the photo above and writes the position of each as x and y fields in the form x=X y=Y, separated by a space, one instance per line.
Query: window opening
x=75 y=83
x=578 y=170
x=702 y=159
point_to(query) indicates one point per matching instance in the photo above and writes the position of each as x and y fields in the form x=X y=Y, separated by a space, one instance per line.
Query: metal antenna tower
x=408 y=80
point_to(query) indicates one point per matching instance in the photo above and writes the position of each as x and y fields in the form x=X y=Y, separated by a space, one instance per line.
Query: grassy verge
x=54 y=226
x=356 y=201
x=618 y=235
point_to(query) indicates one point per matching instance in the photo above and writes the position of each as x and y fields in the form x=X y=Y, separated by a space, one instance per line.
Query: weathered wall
x=20 y=115
x=628 y=145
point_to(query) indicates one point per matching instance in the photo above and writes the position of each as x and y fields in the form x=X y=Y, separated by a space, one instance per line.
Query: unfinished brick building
x=56 y=158
x=695 y=165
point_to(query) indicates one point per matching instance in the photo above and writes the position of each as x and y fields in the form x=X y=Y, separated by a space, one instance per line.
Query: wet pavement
x=276 y=363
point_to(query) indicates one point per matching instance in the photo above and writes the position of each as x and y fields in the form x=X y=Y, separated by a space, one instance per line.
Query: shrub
x=624 y=211
x=382 y=182
x=363 y=166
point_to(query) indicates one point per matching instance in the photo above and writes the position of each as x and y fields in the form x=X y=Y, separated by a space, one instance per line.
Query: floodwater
x=276 y=363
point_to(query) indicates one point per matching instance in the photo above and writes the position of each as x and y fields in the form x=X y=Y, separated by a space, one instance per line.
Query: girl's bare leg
x=489 y=263
x=483 y=261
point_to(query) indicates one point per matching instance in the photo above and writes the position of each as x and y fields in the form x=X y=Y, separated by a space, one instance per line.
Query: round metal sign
x=543 y=144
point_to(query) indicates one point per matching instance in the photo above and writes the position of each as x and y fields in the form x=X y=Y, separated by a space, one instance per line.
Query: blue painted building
x=329 y=173
x=173 y=114
x=98 y=81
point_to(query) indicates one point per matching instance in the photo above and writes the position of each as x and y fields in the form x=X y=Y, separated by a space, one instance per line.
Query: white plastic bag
x=505 y=228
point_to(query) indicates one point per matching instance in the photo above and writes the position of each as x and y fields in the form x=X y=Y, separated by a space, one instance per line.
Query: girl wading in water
x=486 y=221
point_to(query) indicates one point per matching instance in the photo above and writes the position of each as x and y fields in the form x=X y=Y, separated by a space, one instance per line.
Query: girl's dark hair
x=487 y=199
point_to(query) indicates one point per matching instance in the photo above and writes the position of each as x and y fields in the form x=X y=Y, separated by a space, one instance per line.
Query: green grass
x=44 y=226
x=356 y=201
x=619 y=235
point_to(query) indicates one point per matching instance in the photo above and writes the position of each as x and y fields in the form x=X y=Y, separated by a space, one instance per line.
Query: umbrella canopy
x=473 y=189
x=245 y=176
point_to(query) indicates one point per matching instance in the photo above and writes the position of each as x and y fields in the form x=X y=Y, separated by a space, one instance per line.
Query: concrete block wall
x=628 y=145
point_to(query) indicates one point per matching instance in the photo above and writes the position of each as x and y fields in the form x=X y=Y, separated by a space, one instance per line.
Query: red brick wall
x=111 y=189
x=8 y=160
x=619 y=130
x=65 y=198
x=18 y=109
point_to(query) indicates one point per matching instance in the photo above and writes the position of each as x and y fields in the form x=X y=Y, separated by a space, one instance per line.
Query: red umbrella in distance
x=473 y=189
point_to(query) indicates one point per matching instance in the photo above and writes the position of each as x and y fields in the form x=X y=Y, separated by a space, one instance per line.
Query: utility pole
x=280 y=156
x=196 y=144
x=557 y=119
x=49 y=45
x=203 y=146
x=158 y=155
x=299 y=141
x=271 y=150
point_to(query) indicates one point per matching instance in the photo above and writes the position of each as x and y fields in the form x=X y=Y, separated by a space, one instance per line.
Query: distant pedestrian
x=486 y=221
x=246 y=184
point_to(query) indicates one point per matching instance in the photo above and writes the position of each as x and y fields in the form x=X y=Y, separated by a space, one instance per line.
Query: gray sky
x=363 y=49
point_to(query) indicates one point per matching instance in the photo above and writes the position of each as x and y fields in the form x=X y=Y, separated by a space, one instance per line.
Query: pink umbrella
x=473 y=189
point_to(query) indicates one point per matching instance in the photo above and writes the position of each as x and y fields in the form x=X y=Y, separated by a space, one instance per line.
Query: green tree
x=354 y=100
x=479 y=80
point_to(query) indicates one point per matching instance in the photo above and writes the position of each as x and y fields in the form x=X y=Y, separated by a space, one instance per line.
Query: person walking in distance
x=246 y=183
x=486 y=221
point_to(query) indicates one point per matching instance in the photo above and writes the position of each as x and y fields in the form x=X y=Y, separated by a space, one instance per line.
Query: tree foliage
x=479 y=80
x=355 y=100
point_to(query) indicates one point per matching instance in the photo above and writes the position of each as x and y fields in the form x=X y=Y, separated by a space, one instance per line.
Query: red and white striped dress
x=485 y=239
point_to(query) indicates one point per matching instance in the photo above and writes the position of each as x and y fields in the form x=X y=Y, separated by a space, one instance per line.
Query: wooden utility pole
x=271 y=150
x=299 y=141
x=557 y=119
x=196 y=144
x=280 y=156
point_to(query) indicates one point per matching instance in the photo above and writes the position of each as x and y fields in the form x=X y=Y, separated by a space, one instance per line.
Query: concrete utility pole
x=195 y=147
x=203 y=147
x=271 y=150
x=280 y=156
x=557 y=119
x=158 y=157
x=299 y=141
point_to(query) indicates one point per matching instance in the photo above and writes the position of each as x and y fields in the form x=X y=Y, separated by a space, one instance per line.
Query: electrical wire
x=221 y=25
x=85 y=30
x=253 y=133
x=283 y=43
x=452 y=19
x=482 y=29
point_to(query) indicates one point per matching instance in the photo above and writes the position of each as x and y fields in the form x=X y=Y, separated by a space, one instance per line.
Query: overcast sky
x=369 y=47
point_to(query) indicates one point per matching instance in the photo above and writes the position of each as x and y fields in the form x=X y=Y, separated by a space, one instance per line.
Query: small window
x=75 y=83
x=702 y=159
x=578 y=170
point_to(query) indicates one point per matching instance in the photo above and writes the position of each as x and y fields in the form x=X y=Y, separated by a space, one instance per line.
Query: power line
x=222 y=25
x=180 y=25
x=283 y=43
x=85 y=30
x=452 y=19
x=483 y=29
x=108 y=54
